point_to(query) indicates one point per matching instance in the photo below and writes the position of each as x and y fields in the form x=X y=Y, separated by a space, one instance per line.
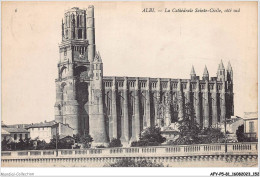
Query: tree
x=41 y=145
x=4 y=144
x=28 y=144
x=20 y=145
x=115 y=142
x=151 y=136
x=84 y=139
x=77 y=138
x=66 y=143
x=240 y=134
x=131 y=163
x=188 y=127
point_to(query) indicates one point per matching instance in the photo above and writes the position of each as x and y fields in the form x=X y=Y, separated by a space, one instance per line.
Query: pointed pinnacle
x=192 y=71
x=229 y=67
x=205 y=71
x=221 y=65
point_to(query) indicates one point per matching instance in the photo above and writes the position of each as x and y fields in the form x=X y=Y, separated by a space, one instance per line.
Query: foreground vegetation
x=132 y=163
x=189 y=133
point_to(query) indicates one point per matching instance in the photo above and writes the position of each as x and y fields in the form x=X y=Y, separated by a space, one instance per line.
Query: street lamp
x=225 y=133
x=225 y=129
x=57 y=139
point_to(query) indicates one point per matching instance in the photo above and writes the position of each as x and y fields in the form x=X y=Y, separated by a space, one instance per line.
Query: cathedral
x=121 y=107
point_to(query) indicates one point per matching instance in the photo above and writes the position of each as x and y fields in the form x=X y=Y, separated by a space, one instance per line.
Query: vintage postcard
x=129 y=84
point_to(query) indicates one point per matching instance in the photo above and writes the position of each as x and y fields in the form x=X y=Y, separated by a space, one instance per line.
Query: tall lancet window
x=78 y=21
x=132 y=102
x=120 y=103
x=142 y=111
x=108 y=103
x=143 y=101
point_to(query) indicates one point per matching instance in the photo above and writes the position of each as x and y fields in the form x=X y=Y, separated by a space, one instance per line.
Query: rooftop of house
x=57 y=124
x=15 y=130
x=4 y=132
x=42 y=124
x=251 y=115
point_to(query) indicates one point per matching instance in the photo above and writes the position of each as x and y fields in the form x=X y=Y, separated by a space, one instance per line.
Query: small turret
x=96 y=116
x=193 y=73
x=97 y=71
x=205 y=74
x=221 y=72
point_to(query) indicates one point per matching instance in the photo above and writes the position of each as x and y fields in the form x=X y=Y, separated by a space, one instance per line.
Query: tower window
x=80 y=34
x=67 y=33
x=77 y=21
x=15 y=136
x=65 y=52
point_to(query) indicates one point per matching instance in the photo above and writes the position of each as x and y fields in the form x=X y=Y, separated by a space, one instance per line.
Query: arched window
x=63 y=72
x=79 y=70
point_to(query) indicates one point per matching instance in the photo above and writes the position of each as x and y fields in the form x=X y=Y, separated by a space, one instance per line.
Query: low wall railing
x=151 y=151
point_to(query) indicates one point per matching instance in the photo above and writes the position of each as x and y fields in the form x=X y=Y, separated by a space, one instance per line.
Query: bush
x=115 y=143
x=144 y=143
x=151 y=136
x=131 y=163
x=101 y=146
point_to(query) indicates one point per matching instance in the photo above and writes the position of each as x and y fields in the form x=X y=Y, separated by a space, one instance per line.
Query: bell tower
x=74 y=71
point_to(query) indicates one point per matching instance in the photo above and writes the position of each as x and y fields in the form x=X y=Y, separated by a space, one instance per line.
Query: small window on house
x=251 y=127
x=38 y=128
x=21 y=136
x=43 y=128
x=26 y=136
x=15 y=136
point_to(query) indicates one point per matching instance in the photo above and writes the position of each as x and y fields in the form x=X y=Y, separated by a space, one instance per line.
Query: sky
x=131 y=43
